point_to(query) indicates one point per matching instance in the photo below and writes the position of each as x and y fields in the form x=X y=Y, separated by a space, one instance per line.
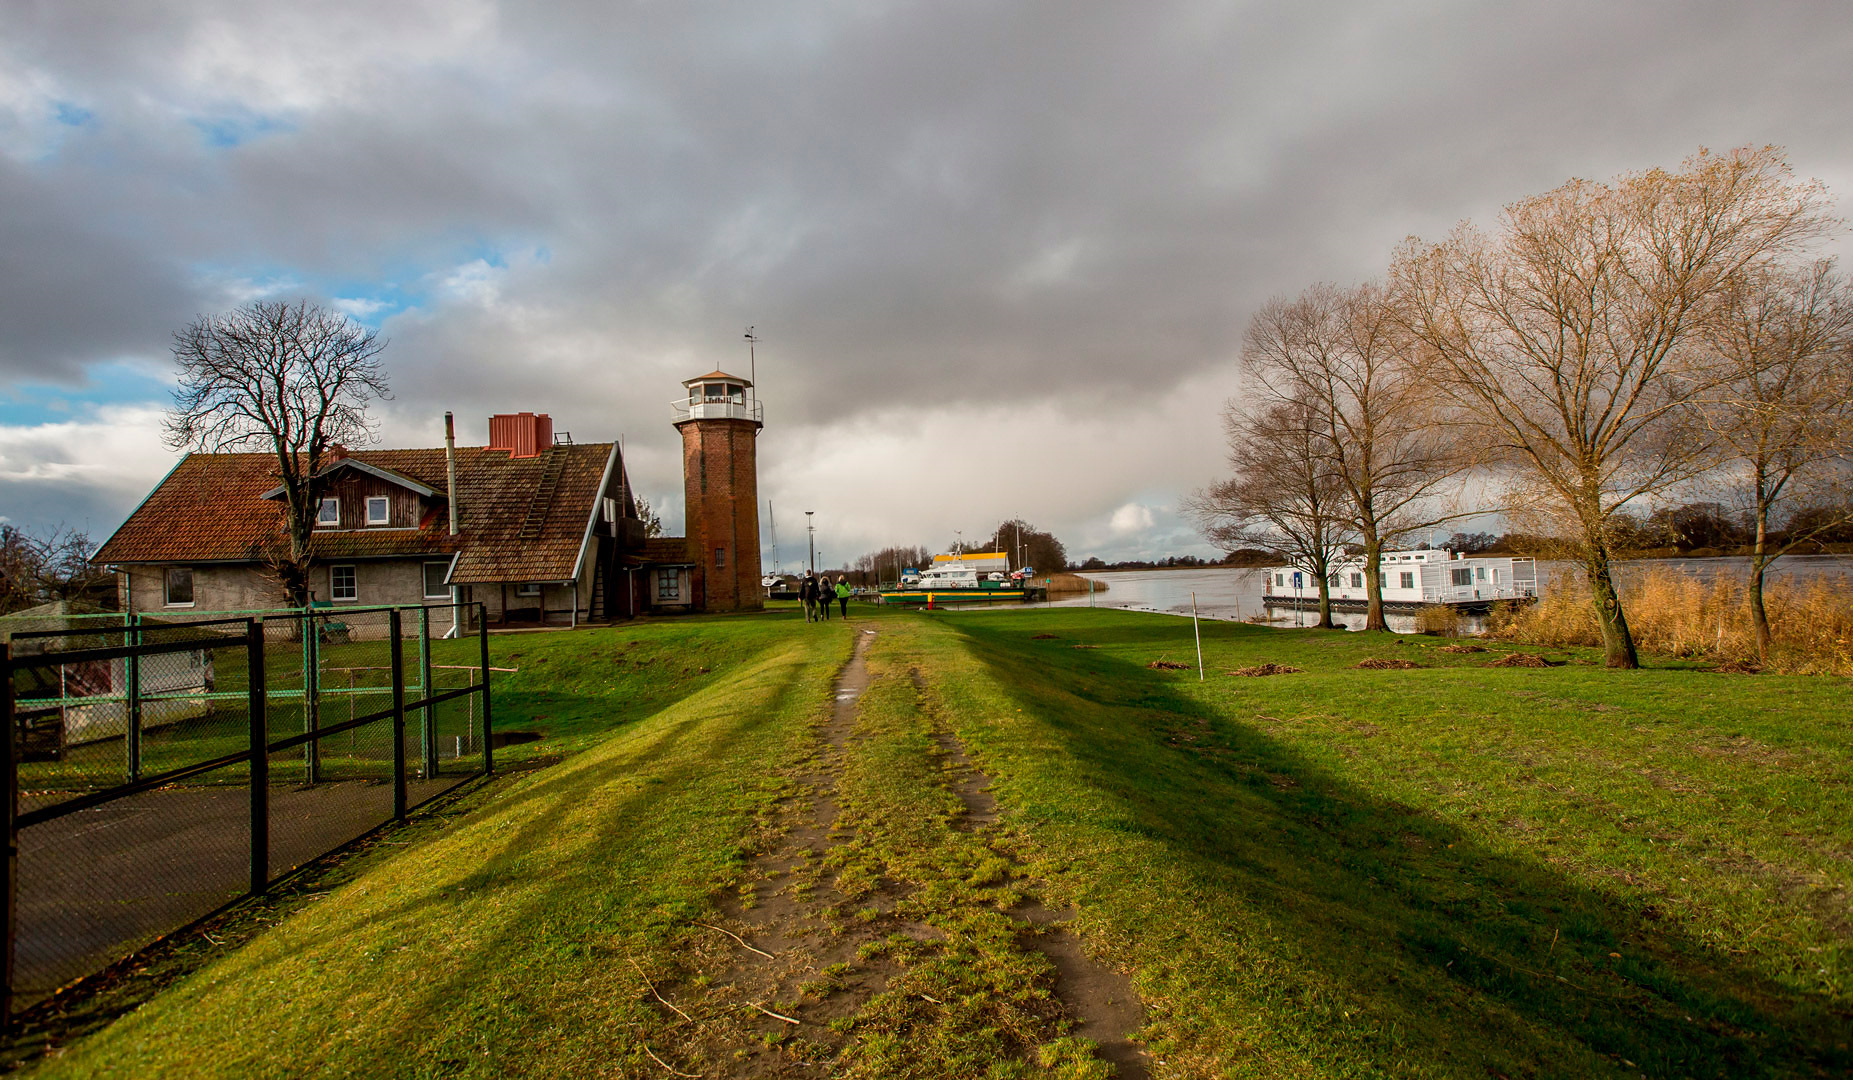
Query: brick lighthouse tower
x=720 y=425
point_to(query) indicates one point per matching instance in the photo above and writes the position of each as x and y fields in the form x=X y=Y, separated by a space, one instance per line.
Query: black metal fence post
x=260 y=756
x=9 y=764
x=132 y=738
x=395 y=632
x=311 y=695
x=427 y=716
x=482 y=636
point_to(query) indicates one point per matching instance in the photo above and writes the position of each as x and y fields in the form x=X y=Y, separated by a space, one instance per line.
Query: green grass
x=503 y=946
x=1454 y=871
x=1457 y=871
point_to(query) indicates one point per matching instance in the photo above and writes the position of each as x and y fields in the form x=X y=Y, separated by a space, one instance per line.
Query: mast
x=773 y=519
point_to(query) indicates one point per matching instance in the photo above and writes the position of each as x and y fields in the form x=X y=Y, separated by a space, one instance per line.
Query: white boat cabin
x=962 y=571
x=1438 y=576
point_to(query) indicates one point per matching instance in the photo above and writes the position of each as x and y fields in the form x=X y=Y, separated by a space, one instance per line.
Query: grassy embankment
x=1453 y=871
x=1456 y=871
x=502 y=946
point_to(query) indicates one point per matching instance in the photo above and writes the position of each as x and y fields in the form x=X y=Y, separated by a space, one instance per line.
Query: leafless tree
x=1342 y=359
x=1283 y=496
x=289 y=378
x=1567 y=334
x=53 y=565
x=1782 y=409
x=652 y=521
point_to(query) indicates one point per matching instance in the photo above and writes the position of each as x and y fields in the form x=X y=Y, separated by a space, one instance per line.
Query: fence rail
x=159 y=770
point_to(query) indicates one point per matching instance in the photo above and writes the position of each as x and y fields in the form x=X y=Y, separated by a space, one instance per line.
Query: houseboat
x=982 y=577
x=1411 y=580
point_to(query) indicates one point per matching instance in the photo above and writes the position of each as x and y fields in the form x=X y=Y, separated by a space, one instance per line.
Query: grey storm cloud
x=931 y=205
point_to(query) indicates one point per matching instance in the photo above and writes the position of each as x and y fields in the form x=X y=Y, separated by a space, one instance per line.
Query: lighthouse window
x=735 y=394
x=716 y=392
x=720 y=558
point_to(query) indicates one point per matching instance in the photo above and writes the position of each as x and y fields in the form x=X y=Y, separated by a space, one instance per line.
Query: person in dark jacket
x=807 y=595
x=823 y=596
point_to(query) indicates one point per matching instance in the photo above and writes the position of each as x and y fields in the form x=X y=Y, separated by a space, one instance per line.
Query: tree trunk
x=1759 y=565
x=1617 y=641
x=1325 y=603
x=1373 y=583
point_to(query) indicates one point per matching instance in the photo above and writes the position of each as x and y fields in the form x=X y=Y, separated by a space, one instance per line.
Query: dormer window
x=378 y=509
x=328 y=513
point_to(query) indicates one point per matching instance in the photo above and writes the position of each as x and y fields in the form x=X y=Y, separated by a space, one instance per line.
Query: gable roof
x=350 y=462
x=522 y=519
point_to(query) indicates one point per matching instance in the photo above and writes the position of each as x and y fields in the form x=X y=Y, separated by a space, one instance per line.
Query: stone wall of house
x=143 y=589
x=246 y=588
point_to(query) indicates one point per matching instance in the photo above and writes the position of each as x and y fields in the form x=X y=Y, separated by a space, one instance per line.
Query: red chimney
x=521 y=434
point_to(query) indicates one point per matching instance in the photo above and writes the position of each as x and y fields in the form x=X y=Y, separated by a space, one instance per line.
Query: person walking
x=842 y=594
x=807 y=595
x=823 y=596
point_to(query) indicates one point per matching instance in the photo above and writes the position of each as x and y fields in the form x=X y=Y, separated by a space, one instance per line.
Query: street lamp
x=811 y=542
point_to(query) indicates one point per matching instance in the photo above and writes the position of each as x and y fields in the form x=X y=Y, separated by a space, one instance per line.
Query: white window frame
x=328 y=512
x=334 y=588
x=443 y=592
x=1408 y=579
x=528 y=589
x=385 y=505
x=167 y=586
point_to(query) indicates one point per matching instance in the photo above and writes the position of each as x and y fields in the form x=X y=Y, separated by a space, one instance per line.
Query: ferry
x=1411 y=581
x=969 y=577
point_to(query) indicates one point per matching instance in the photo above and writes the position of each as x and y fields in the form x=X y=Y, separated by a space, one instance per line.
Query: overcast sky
x=1000 y=254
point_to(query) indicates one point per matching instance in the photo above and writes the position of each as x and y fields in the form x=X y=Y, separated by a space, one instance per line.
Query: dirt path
x=811 y=957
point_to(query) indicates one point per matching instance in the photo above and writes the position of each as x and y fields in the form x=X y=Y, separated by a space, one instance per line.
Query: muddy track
x=1099 y=1000
x=766 y=1003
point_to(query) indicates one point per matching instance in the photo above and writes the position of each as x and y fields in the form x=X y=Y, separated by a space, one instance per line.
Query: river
x=1235 y=593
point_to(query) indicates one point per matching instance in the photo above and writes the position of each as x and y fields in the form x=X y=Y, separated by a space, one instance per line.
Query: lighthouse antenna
x=752 y=361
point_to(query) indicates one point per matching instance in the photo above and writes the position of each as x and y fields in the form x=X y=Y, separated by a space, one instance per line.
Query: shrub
x=1678 y=614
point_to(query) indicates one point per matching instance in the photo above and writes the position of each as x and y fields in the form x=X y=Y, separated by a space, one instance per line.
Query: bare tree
x=1783 y=407
x=1341 y=358
x=1283 y=497
x=292 y=379
x=652 y=521
x=1567 y=334
x=52 y=565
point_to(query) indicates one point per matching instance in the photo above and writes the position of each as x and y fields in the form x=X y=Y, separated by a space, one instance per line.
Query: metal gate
x=161 y=770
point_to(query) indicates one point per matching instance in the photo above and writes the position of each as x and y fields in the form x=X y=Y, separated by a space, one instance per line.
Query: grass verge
x=1453 y=870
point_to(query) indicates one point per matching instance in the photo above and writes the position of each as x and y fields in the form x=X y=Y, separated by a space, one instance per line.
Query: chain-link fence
x=160 y=769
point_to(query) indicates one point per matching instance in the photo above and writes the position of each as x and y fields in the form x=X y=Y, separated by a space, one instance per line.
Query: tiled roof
x=211 y=509
x=664 y=549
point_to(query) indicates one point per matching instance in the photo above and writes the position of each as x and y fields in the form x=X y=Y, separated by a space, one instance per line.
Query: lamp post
x=811 y=539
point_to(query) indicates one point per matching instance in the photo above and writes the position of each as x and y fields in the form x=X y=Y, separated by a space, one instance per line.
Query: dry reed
x=1067 y=583
x=1677 y=614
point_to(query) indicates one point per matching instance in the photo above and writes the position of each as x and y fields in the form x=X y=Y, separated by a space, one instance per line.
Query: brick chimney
x=522 y=434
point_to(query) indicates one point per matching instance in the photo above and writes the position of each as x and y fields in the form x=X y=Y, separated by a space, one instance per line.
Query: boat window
x=1357 y=581
x=1408 y=581
x=1462 y=576
x=1479 y=573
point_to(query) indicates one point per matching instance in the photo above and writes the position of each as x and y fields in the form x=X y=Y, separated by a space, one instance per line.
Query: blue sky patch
x=114 y=382
x=235 y=129
x=72 y=115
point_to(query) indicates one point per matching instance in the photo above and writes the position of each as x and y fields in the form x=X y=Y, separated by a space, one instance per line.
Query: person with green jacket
x=842 y=596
